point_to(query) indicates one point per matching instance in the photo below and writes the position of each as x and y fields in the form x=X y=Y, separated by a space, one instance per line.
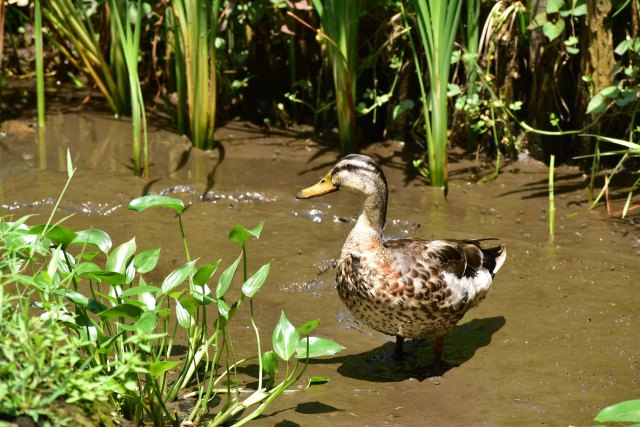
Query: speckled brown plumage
x=411 y=287
x=408 y=288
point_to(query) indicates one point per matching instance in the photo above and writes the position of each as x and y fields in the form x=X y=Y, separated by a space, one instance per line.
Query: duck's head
x=356 y=173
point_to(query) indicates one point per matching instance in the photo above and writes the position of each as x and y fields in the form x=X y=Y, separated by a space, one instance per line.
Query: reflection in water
x=42 y=148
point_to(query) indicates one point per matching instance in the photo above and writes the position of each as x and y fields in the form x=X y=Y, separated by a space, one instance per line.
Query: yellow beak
x=325 y=186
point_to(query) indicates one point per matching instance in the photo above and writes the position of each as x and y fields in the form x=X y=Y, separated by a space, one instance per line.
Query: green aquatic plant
x=437 y=23
x=129 y=37
x=623 y=413
x=193 y=26
x=39 y=62
x=339 y=29
x=628 y=150
x=111 y=331
x=552 y=203
x=80 y=43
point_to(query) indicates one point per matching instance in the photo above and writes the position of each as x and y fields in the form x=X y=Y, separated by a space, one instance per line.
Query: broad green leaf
x=136 y=290
x=130 y=273
x=225 y=278
x=554 y=6
x=223 y=308
x=308 y=327
x=317 y=380
x=610 y=92
x=184 y=318
x=148 y=299
x=153 y=200
x=146 y=261
x=623 y=46
x=73 y=296
x=88 y=256
x=177 y=276
x=627 y=96
x=453 y=90
x=119 y=258
x=317 y=347
x=405 y=105
x=240 y=234
x=539 y=20
x=110 y=277
x=58 y=235
x=128 y=311
x=580 y=9
x=96 y=306
x=89 y=329
x=285 y=338
x=270 y=363
x=202 y=294
x=158 y=368
x=105 y=345
x=87 y=267
x=623 y=412
x=145 y=325
x=553 y=30
x=596 y=105
x=253 y=283
x=205 y=272
x=95 y=238
x=190 y=304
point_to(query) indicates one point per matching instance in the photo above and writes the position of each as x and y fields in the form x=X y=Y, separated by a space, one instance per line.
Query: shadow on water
x=307 y=408
x=376 y=365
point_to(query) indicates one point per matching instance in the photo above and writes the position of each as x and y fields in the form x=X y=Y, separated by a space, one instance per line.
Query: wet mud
x=555 y=341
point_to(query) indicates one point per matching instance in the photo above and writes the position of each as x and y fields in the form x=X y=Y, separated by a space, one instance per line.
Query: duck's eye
x=323 y=181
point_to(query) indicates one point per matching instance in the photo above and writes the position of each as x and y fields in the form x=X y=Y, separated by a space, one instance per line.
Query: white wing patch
x=475 y=288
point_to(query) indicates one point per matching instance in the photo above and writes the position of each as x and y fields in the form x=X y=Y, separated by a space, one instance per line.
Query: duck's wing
x=450 y=272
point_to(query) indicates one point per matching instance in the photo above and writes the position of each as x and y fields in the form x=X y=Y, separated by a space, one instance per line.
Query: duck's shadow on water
x=376 y=365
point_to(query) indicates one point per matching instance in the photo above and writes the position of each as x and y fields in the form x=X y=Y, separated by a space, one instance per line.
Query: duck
x=409 y=287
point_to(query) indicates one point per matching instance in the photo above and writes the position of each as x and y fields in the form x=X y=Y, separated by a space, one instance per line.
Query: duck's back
x=413 y=287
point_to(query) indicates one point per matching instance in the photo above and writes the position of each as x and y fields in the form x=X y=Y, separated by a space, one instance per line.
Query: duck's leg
x=438 y=346
x=439 y=367
x=399 y=353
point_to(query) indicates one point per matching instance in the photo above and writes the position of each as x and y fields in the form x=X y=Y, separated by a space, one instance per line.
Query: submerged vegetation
x=507 y=78
x=84 y=323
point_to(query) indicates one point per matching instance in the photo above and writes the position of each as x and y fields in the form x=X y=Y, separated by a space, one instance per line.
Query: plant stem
x=552 y=205
x=39 y=63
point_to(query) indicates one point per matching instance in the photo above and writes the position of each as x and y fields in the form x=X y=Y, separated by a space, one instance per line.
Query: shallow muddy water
x=555 y=341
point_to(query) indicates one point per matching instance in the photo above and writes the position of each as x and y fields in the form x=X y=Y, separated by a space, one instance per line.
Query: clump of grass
x=194 y=27
x=437 y=23
x=339 y=20
x=111 y=330
x=129 y=37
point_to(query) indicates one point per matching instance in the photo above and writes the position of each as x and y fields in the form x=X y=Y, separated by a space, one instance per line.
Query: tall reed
x=39 y=62
x=552 y=203
x=473 y=42
x=339 y=21
x=71 y=21
x=194 y=24
x=437 y=24
x=129 y=37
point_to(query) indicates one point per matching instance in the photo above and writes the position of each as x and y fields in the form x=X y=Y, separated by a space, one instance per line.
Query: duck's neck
x=370 y=223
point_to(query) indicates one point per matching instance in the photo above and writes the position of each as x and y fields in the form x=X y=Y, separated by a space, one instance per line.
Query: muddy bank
x=555 y=341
